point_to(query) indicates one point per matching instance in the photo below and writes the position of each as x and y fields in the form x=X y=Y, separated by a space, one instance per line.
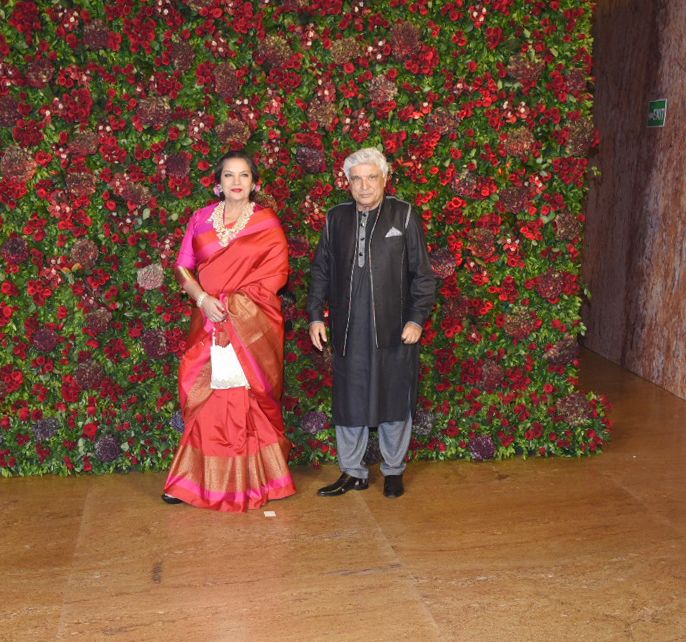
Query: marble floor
x=558 y=550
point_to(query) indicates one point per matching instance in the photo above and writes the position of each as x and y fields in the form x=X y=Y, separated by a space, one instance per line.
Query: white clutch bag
x=226 y=368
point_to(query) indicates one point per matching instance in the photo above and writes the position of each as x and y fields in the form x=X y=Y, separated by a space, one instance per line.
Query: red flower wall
x=111 y=116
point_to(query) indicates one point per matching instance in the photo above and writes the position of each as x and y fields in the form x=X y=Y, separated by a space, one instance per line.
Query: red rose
x=70 y=389
x=89 y=430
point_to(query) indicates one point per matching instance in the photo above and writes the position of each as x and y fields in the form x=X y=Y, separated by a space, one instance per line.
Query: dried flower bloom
x=519 y=142
x=182 y=56
x=134 y=193
x=107 y=448
x=266 y=200
x=98 y=321
x=382 y=89
x=481 y=242
x=17 y=164
x=345 y=50
x=466 y=185
x=154 y=343
x=81 y=184
x=154 y=111
x=96 y=36
x=274 y=51
x=456 y=308
x=481 y=447
x=234 y=133
x=550 y=284
x=423 y=423
x=178 y=165
x=581 y=137
x=89 y=375
x=405 y=40
x=514 y=198
x=575 y=408
x=562 y=352
x=9 y=111
x=45 y=428
x=311 y=160
x=226 y=81
x=151 y=276
x=39 y=73
x=45 y=340
x=442 y=262
x=442 y=120
x=520 y=323
x=313 y=422
x=85 y=143
x=525 y=70
x=567 y=225
x=15 y=250
x=577 y=81
x=492 y=376
x=323 y=113
x=85 y=253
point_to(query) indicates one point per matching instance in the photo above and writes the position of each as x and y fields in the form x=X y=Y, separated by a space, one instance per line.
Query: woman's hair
x=368 y=155
x=237 y=154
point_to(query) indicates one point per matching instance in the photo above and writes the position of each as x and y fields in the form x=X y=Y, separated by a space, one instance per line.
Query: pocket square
x=394 y=231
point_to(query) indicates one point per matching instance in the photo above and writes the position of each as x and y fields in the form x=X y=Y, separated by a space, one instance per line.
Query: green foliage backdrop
x=111 y=116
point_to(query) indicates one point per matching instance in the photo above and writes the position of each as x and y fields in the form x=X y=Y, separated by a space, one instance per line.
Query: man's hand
x=318 y=334
x=410 y=335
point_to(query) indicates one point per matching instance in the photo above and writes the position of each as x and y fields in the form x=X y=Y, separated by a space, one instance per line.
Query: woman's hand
x=214 y=309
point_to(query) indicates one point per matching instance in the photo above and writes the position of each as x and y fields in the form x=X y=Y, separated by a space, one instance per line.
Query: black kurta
x=372 y=385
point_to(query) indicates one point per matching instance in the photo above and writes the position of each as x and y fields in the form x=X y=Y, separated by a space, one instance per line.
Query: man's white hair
x=368 y=155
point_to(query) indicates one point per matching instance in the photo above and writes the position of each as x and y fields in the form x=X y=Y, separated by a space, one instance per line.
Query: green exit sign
x=657 y=113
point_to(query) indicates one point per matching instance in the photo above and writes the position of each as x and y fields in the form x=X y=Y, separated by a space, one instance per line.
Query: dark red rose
x=70 y=389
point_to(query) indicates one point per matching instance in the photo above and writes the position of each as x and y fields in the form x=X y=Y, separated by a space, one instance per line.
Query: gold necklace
x=224 y=234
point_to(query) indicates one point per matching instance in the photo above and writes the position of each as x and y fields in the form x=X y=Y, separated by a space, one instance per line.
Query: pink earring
x=218 y=190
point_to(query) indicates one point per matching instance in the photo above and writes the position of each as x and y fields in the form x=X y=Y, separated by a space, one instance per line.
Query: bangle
x=201 y=298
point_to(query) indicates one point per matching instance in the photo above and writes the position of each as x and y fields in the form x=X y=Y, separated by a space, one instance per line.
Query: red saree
x=233 y=453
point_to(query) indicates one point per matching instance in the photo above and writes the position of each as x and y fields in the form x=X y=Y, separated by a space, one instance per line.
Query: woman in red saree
x=233 y=453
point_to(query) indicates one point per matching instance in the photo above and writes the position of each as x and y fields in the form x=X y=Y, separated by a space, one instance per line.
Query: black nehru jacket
x=402 y=282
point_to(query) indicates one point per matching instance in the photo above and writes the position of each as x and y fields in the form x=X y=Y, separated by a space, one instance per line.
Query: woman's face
x=236 y=180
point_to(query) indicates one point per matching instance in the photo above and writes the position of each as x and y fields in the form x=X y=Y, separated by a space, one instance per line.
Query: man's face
x=367 y=185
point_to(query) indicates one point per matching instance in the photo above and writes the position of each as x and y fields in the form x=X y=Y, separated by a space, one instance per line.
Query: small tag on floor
x=270 y=513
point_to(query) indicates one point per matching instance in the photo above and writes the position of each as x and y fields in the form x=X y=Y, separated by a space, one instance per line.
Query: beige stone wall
x=635 y=251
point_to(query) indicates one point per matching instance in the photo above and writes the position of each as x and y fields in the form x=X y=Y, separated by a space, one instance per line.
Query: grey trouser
x=394 y=439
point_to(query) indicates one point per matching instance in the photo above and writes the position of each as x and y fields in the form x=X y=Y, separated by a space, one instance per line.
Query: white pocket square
x=394 y=231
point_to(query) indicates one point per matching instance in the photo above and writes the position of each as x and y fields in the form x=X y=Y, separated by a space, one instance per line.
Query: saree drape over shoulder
x=233 y=454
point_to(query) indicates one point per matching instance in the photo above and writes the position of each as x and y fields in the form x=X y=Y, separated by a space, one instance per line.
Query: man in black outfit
x=373 y=270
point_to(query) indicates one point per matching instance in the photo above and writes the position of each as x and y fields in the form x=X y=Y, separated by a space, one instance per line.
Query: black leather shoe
x=168 y=499
x=393 y=486
x=342 y=485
